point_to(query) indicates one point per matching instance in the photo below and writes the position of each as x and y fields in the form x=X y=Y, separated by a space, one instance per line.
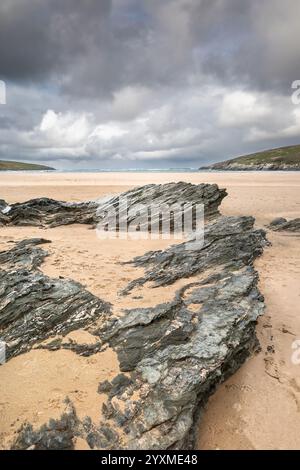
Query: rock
x=83 y=349
x=3 y=205
x=58 y=434
x=180 y=351
x=3 y=208
x=102 y=437
x=277 y=222
x=282 y=225
x=172 y=356
x=117 y=385
x=45 y=212
x=49 y=212
x=170 y=194
x=229 y=241
x=24 y=255
x=34 y=306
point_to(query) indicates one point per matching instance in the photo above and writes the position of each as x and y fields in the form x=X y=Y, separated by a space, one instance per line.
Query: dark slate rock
x=49 y=212
x=3 y=209
x=277 y=222
x=180 y=351
x=34 y=306
x=45 y=212
x=282 y=225
x=164 y=195
x=116 y=387
x=24 y=255
x=3 y=205
x=58 y=434
x=102 y=437
x=180 y=354
x=229 y=241
x=172 y=356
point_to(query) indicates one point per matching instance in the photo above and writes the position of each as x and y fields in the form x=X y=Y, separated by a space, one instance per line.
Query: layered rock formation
x=172 y=356
x=281 y=224
x=34 y=306
x=46 y=212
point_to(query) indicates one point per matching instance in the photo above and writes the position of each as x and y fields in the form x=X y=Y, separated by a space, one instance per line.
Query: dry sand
x=259 y=407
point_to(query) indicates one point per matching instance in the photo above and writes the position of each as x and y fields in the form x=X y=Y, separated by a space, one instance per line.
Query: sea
x=129 y=170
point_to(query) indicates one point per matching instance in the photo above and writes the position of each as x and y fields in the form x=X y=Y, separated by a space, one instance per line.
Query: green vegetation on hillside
x=283 y=158
x=288 y=155
x=19 y=166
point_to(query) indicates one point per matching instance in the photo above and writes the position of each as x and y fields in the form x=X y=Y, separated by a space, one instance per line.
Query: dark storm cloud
x=98 y=46
x=39 y=38
x=255 y=43
x=151 y=81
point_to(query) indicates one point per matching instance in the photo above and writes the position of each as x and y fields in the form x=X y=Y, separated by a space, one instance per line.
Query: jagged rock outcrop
x=280 y=224
x=43 y=212
x=24 y=254
x=34 y=306
x=46 y=212
x=172 y=356
x=227 y=240
x=179 y=351
x=3 y=209
x=151 y=200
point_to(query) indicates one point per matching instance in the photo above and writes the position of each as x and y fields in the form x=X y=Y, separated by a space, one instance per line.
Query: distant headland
x=283 y=158
x=20 y=166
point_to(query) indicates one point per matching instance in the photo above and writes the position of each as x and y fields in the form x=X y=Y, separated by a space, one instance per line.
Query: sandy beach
x=259 y=406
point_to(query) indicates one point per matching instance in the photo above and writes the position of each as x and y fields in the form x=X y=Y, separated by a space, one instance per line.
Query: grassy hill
x=19 y=166
x=283 y=158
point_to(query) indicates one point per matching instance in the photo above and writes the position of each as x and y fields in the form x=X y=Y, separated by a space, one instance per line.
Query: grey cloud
x=39 y=39
x=95 y=47
x=158 y=69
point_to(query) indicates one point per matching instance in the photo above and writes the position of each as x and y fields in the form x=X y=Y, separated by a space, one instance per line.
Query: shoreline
x=152 y=170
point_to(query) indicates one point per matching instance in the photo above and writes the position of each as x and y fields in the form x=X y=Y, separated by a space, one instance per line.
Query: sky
x=147 y=83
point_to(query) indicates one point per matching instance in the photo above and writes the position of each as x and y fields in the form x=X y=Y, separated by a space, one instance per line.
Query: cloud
x=128 y=82
x=65 y=130
x=240 y=108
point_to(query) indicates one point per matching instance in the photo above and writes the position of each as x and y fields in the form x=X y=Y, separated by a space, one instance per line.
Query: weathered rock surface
x=46 y=212
x=172 y=356
x=24 y=254
x=34 y=306
x=280 y=224
x=58 y=434
x=179 y=351
x=227 y=240
x=151 y=199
